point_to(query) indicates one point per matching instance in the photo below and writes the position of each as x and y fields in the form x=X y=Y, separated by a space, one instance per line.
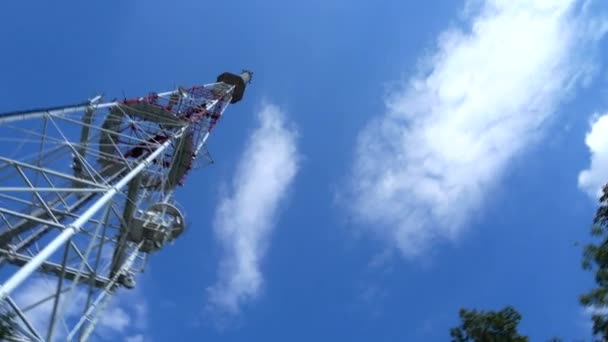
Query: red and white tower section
x=87 y=195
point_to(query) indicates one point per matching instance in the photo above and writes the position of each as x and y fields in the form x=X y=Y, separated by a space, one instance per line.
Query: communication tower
x=87 y=195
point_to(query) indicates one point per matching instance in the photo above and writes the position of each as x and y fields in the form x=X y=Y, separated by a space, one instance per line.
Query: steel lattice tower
x=87 y=194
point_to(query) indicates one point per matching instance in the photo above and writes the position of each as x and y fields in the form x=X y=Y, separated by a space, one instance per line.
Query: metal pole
x=72 y=229
x=10 y=117
x=51 y=330
x=21 y=115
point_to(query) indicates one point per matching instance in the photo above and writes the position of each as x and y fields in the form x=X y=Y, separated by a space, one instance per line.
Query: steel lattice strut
x=86 y=194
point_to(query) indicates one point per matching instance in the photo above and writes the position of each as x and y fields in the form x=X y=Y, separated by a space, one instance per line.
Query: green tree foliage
x=488 y=326
x=595 y=258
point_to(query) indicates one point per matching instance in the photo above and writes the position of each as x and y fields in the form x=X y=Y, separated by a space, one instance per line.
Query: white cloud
x=594 y=310
x=429 y=163
x=39 y=316
x=593 y=179
x=586 y=319
x=141 y=315
x=246 y=217
x=135 y=338
x=117 y=317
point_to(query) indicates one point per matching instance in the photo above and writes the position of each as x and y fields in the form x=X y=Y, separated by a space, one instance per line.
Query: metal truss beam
x=55 y=269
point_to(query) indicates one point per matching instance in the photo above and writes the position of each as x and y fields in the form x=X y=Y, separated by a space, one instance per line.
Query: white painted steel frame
x=91 y=188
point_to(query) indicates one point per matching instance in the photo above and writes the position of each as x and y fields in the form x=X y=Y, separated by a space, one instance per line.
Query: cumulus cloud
x=245 y=218
x=39 y=316
x=427 y=165
x=593 y=179
x=115 y=319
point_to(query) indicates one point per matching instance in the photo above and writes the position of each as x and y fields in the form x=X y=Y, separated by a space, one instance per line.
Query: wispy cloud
x=135 y=338
x=425 y=166
x=246 y=217
x=593 y=179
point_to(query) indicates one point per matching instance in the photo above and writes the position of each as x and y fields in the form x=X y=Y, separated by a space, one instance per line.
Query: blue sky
x=391 y=162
